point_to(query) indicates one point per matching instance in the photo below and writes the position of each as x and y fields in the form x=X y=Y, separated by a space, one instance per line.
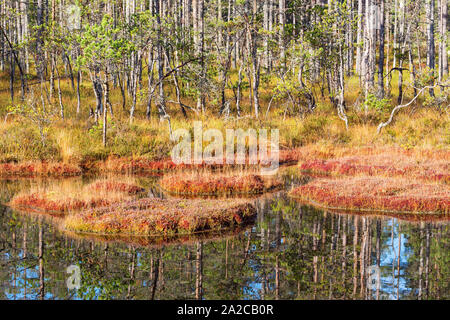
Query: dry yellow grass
x=222 y=183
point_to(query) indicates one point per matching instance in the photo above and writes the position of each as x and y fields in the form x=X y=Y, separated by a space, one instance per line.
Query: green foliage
x=373 y=103
x=425 y=77
x=440 y=100
x=102 y=44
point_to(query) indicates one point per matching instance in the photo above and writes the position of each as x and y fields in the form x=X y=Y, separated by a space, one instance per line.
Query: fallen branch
x=397 y=108
x=7 y=115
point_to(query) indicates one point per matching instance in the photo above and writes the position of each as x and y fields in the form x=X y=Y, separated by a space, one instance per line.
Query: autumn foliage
x=34 y=169
x=381 y=165
x=376 y=194
x=42 y=202
x=217 y=184
x=116 y=186
x=59 y=201
x=142 y=165
x=161 y=216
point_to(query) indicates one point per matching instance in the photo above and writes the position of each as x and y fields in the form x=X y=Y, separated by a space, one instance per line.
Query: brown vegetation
x=60 y=200
x=206 y=183
x=382 y=165
x=158 y=216
x=376 y=194
x=34 y=169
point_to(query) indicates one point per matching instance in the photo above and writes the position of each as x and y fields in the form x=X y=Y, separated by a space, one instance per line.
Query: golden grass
x=223 y=183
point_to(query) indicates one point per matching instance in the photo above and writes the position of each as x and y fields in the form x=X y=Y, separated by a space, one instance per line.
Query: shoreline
x=310 y=158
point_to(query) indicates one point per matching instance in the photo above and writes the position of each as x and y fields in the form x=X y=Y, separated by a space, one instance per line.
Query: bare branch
x=397 y=108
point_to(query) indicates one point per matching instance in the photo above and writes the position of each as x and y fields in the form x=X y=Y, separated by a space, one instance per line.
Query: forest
x=87 y=80
x=94 y=95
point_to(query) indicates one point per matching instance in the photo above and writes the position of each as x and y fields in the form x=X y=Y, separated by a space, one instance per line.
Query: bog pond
x=291 y=251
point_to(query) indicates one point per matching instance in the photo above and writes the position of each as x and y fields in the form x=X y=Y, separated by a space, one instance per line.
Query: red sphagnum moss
x=41 y=202
x=381 y=165
x=217 y=184
x=162 y=217
x=376 y=194
x=58 y=201
x=142 y=165
x=35 y=169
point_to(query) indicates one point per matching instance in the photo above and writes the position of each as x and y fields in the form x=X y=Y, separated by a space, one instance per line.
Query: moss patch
x=217 y=184
x=162 y=217
x=393 y=195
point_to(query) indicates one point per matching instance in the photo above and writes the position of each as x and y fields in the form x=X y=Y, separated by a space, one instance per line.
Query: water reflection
x=292 y=252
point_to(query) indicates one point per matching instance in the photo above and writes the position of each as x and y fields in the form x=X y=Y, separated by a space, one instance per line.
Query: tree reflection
x=293 y=252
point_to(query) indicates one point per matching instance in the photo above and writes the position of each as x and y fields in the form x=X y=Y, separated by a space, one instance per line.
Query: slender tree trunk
x=369 y=47
x=282 y=19
x=443 y=53
x=431 y=53
x=359 y=38
x=401 y=47
x=78 y=92
x=444 y=33
x=381 y=51
x=388 y=48
x=39 y=41
x=107 y=104
x=151 y=65
x=199 y=272
x=219 y=22
x=61 y=106
x=161 y=97
x=266 y=37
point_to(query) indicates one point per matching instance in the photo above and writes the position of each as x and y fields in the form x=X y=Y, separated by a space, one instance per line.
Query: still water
x=291 y=252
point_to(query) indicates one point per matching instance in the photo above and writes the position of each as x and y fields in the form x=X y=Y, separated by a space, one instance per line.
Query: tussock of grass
x=385 y=164
x=136 y=165
x=206 y=183
x=129 y=165
x=41 y=202
x=145 y=165
x=157 y=216
x=329 y=151
x=64 y=199
x=376 y=194
x=21 y=142
x=33 y=169
x=291 y=155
